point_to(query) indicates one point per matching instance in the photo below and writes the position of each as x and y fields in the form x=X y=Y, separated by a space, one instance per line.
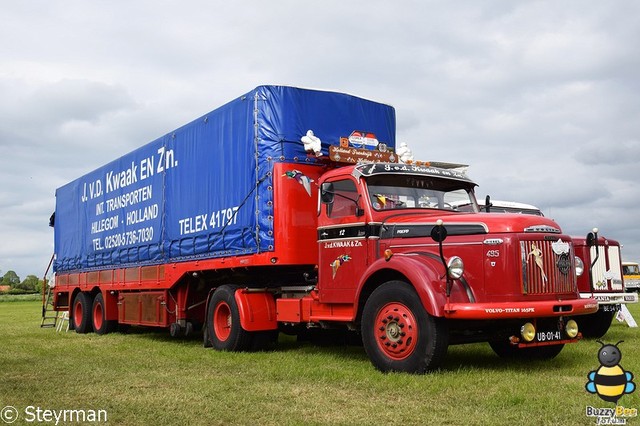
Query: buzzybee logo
x=610 y=381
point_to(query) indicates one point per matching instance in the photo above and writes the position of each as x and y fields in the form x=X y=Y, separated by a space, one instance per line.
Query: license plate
x=548 y=336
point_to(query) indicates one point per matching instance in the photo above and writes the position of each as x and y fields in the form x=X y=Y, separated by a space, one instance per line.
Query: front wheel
x=399 y=334
x=223 y=329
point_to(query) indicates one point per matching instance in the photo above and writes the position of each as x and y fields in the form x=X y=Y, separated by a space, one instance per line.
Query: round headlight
x=571 y=329
x=579 y=266
x=528 y=332
x=455 y=267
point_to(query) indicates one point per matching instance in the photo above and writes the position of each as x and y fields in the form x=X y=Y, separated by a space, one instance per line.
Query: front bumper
x=509 y=310
x=611 y=298
x=632 y=284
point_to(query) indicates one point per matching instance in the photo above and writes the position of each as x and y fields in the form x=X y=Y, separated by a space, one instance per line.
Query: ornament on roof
x=312 y=143
x=404 y=153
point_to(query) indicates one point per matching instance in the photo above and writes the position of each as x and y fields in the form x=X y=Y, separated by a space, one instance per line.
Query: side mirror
x=592 y=238
x=439 y=232
x=327 y=193
x=487 y=204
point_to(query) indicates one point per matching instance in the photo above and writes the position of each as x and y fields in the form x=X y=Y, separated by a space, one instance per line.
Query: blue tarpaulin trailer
x=203 y=190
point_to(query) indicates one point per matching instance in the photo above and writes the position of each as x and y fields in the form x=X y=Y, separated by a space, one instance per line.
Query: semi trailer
x=286 y=210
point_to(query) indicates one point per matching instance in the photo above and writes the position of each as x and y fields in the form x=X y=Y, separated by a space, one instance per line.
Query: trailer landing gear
x=178 y=330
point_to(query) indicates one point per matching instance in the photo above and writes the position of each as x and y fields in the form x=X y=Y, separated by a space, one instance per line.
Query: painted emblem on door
x=336 y=264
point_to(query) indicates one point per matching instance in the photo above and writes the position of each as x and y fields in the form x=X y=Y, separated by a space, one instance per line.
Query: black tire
x=99 y=317
x=81 y=313
x=596 y=325
x=394 y=315
x=504 y=349
x=175 y=330
x=224 y=331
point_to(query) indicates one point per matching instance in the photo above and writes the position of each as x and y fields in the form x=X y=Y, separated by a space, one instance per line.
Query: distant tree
x=10 y=278
x=31 y=283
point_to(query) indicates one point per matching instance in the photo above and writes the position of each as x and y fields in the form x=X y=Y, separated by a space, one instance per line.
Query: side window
x=344 y=200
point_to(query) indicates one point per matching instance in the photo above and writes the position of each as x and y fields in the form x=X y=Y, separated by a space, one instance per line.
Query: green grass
x=146 y=377
x=20 y=297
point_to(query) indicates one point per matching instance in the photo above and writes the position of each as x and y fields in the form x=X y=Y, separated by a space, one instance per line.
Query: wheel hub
x=396 y=330
x=222 y=321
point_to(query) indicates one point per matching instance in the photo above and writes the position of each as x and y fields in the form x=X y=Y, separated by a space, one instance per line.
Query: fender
x=110 y=305
x=257 y=310
x=423 y=274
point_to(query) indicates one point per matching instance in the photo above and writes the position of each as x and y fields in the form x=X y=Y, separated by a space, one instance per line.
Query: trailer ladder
x=50 y=317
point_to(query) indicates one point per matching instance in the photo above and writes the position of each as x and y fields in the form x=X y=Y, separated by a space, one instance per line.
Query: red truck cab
x=405 y=248
x=603 y=280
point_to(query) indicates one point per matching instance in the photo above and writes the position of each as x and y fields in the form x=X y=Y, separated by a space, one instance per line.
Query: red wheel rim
x=77 y=313
x=97 y=316
x=396 y=330
x=222 y=321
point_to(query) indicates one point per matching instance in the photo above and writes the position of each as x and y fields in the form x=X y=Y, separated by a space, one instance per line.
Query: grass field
x=146 y=377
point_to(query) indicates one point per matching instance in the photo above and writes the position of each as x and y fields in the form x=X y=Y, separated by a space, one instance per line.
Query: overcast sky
x=540 y=98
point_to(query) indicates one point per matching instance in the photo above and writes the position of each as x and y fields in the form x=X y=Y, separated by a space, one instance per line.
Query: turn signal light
x=388 y=254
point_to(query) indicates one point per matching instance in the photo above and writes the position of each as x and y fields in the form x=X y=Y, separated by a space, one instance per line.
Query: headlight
x=571 y=328
x=528 y=332
x=455 y=268
x=579 y=266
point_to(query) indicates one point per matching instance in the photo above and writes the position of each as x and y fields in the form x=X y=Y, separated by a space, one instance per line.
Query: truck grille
x=606 y=272
x=544 y=271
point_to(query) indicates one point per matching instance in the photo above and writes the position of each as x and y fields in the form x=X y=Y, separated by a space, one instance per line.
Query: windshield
x=387 y=192
x=630 y=270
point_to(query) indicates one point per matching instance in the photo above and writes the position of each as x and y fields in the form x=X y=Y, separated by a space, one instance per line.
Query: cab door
x=342 y=240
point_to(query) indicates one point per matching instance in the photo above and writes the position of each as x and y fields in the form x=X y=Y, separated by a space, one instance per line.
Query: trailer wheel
x=595 y=325
x=99 y=316
x=504 y=349
x=82 y=313
x=223 y=322
x=399 y=334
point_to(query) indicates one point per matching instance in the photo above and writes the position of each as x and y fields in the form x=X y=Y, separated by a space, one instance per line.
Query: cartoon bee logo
x=610 y=381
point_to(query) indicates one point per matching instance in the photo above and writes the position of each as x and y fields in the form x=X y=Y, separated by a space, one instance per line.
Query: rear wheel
x=399 y=334
x=82 y=313
x=223 y=329
x=595 y=325
x=99 y=317
x=504 y=349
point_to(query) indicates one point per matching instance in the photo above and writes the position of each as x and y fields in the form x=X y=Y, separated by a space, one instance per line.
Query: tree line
x=11 y=284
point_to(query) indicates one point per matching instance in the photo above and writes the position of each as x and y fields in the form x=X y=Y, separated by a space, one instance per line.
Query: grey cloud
x=540 y=98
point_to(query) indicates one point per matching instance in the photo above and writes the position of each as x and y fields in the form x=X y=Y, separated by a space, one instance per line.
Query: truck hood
x=420 y=224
